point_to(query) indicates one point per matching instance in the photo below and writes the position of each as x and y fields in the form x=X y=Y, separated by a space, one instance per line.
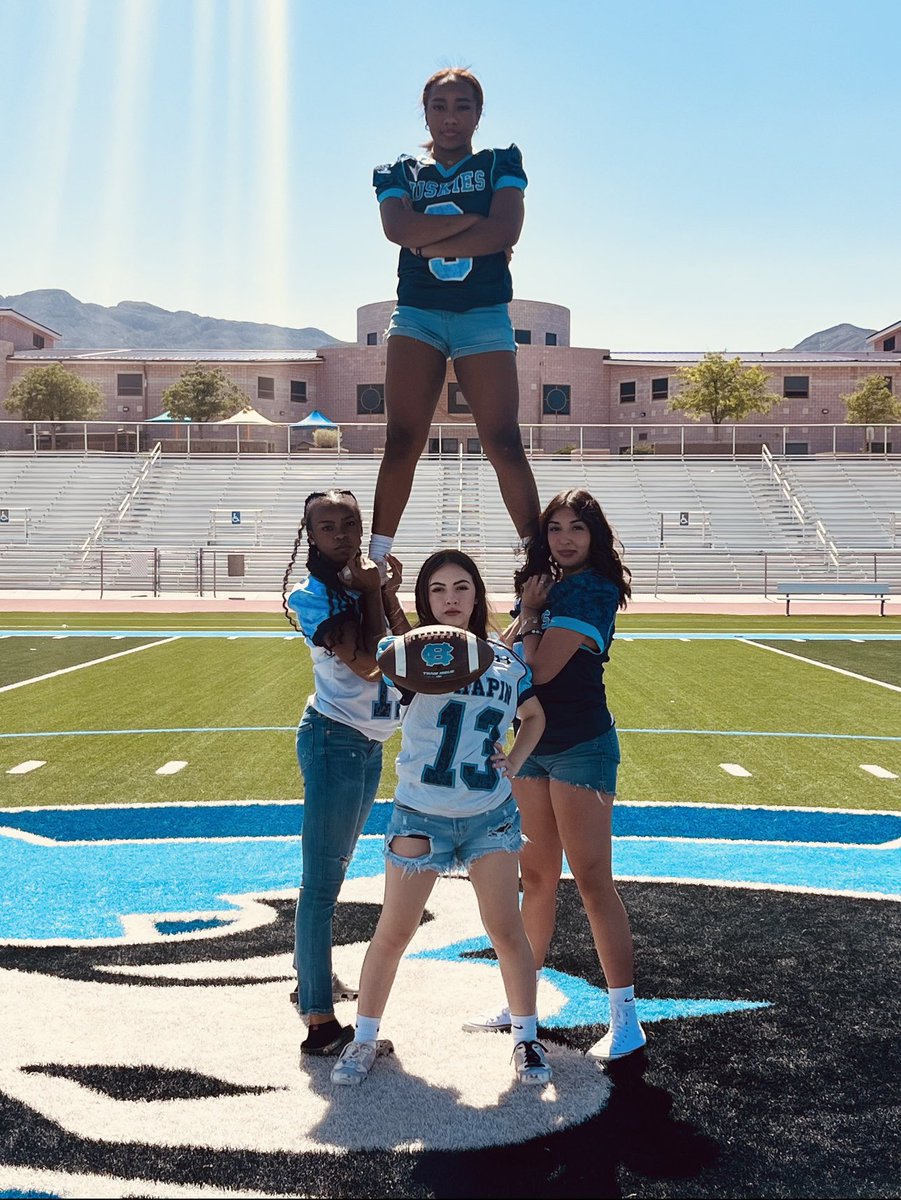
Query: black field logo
x=174 y=1062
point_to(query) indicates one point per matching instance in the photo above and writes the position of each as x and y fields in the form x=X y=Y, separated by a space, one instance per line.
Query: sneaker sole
x=383 y=1047
x=330 y=1049
x=339 y=993
x=615 y=1057
x=472 y=1027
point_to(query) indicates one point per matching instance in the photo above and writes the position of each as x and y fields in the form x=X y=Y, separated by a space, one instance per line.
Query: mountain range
x=137 y=325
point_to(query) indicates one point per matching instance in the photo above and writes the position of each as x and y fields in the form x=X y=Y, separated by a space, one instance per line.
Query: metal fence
x=445 y=438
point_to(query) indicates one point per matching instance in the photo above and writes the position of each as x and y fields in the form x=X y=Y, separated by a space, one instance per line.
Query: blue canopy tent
x=164 y=416
x=313 y=421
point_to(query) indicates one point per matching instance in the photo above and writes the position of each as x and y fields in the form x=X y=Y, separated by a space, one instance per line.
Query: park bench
x=829 y=590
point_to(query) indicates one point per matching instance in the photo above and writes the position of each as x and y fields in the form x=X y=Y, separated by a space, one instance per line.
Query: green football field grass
x=227 y=706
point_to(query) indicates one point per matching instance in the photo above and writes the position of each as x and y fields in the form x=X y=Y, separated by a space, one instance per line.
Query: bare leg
x=541 y=863
x=405 y=900
x=414 y=376
x=584 y=819
x=491 y=388
x=496 y=881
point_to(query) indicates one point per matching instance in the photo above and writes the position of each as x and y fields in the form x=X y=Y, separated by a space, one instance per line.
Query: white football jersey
x=371 y=708
x=444 y=765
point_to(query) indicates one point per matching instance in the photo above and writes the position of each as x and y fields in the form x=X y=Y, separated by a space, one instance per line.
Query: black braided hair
x=323 y=569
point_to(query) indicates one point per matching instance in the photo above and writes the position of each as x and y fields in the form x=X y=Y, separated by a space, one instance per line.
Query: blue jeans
x=341 y=769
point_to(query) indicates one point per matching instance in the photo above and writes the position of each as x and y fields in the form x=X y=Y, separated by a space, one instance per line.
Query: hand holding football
x=435 y=659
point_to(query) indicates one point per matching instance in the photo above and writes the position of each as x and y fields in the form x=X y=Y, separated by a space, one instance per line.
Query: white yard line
x=25 y=767
x=812 y=662
x=734 y=769
x=172 y=767
x=879 y=772
x=11 y=687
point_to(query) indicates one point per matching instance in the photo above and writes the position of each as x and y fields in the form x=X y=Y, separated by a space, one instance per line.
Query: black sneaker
x=531 y=1064
x=326 y=1040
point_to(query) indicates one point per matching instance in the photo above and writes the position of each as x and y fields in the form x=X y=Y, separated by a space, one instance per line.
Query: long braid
x=292 y=620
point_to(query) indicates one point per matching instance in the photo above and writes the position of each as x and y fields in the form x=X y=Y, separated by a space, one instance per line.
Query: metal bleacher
x=143 y=523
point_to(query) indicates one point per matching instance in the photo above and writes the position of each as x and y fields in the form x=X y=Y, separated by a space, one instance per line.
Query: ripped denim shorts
x=454 y=842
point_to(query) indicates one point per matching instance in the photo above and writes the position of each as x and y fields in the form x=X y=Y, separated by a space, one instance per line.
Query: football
x=435 y=659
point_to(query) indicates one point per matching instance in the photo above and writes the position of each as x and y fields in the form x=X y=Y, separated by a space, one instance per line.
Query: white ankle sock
x=524 y=1029
x=622 y=1006
x=367 y=1029
x=380 y=546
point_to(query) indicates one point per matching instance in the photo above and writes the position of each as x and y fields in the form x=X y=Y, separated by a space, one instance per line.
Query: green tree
x=52 y=393
x=722 y=389
x=872 y=403
x=204 y=394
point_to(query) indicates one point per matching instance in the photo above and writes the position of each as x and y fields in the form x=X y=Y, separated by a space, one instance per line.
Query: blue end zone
x=286 y=820
x=93 y=868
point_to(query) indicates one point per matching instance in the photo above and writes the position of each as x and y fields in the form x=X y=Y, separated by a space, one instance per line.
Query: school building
x=572 y=399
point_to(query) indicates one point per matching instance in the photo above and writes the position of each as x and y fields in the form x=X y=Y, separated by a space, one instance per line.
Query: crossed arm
x=464 y=235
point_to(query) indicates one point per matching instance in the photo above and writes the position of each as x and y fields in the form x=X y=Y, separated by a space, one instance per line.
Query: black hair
x=478 y=621
x=604 y=556
x=342 y=605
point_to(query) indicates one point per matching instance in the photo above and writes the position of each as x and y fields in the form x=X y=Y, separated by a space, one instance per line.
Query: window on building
x=889 y=382
x=473 y=446
x=522 y=337
x=627 y=391
x=298 y=391
x=370 y=398
x=889 y=343
x=456 y=401
x=555 y=399
x=550 y=339
x=265 y=387
x=372 y=339
x=130 y=385
x=445 y=446
x=796 y=387
x=37 y=340
x=660 y=388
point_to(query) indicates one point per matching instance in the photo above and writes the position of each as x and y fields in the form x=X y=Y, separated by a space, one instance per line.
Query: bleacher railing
x=210 y=571
x=551 y=436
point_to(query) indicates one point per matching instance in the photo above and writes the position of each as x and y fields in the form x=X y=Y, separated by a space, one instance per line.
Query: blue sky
x=704 y=174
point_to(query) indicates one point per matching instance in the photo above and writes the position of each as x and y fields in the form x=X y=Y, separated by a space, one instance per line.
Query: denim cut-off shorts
x=454 y=842
x=455 y=334
x=589 y=764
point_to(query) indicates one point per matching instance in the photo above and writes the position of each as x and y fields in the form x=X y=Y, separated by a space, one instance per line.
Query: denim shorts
x=454 y=842
x=589 y=764
x=455 y=334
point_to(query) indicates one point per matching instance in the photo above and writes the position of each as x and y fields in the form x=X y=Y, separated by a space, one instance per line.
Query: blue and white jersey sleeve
x=525 y=689
x=507 y=169
x=318 y=612
x=586 y=603
x=371 y=708
x=392 y=179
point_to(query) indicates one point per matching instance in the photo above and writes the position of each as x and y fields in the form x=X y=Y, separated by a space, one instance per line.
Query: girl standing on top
x=340 y=608
x=566 y=788
x=453 y=807
x=456 y=215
